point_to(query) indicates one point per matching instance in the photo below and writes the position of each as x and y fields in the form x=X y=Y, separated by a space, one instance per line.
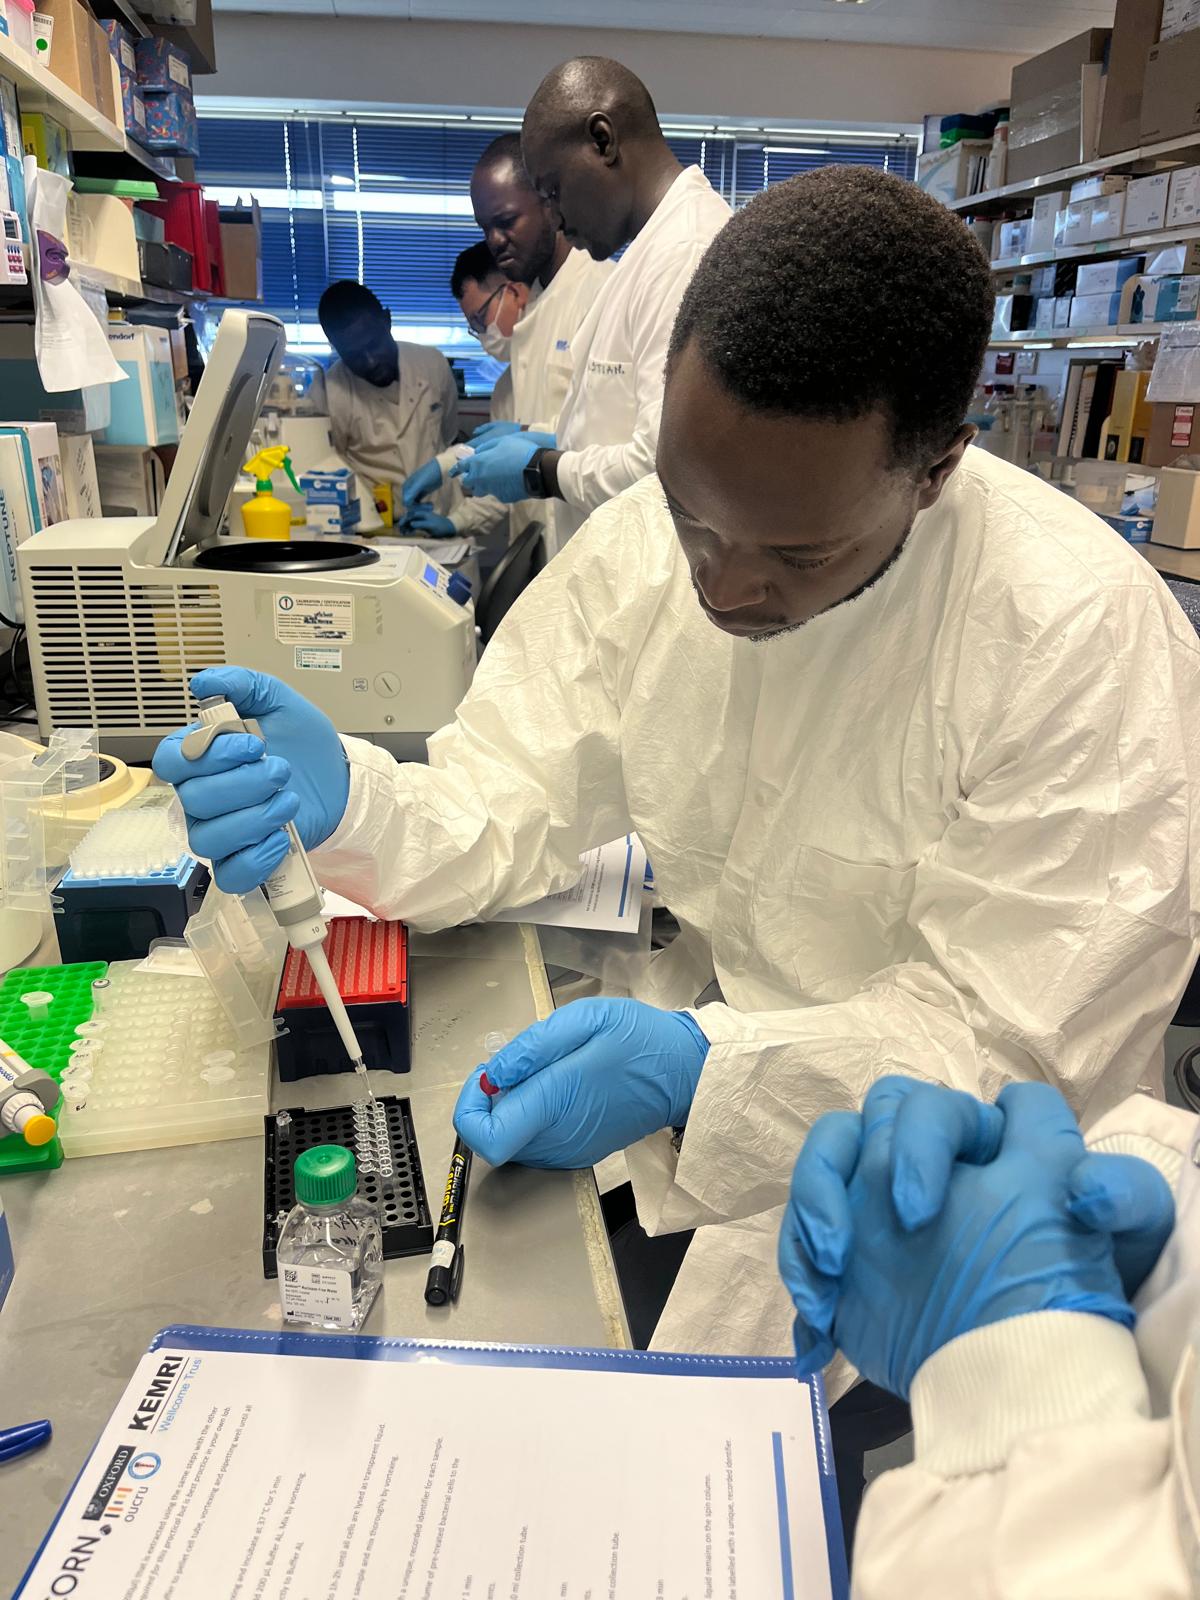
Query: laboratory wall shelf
x=398 y=1192
x=1083 y=338
x=46 y=1043
x=40 y=90
x=1138 y=244
x=1142 y=159
x=162 y=1067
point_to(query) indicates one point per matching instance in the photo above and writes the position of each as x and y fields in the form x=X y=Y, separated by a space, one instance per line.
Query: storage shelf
x=1059 y=338
x=40 y=90
x=993 y=200
x=128 y=152
x=1132 y=244
x=119 y=288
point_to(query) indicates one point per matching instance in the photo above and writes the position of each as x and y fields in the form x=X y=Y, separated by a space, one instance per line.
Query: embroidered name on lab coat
x=607 y=369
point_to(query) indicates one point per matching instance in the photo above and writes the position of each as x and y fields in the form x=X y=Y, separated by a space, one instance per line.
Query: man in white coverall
x=594 y=150
x=909 y=735
x=979 y=1259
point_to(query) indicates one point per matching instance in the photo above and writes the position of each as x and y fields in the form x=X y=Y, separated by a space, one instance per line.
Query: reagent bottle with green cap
x=330 y=1252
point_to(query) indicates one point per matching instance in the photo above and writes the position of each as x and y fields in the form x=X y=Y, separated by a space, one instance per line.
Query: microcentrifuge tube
x=494 y=1041
x=101 y=994
x=37 y=1002
x=218 y=1066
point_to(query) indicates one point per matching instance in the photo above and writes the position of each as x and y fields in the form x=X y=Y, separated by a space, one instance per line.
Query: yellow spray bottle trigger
x=275 y=458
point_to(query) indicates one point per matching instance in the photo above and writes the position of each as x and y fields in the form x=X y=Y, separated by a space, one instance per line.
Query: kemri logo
x=144 y=1465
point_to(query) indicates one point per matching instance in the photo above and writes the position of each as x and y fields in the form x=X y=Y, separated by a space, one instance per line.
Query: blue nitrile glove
x=237 y=796
x=493 y=430
x=1002 y=1242
x=424 y=519
x=421 y=482
x=497 y=467
x=591 y=1079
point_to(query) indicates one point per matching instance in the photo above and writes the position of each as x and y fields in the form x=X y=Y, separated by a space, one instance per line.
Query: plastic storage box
x=119 y=918
x=369 y=961
x=45 y=1044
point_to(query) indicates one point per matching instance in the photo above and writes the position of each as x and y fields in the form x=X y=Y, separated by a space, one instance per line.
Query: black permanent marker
x=446 y=1265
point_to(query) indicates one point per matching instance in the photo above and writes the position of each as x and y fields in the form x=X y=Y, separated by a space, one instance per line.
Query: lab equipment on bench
x=45 y=1043
x=331 y=1247
x=123 y=611
x=27 y=1098
x=369 y=962
x=292 y=890
x=381 y=1136
x=180 y=1051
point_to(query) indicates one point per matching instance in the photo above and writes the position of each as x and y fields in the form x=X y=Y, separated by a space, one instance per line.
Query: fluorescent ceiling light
x=790 y=150
x=405 y=205
x=269 y=199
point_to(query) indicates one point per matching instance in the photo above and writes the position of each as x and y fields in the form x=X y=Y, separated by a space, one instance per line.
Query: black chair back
x=517 y=568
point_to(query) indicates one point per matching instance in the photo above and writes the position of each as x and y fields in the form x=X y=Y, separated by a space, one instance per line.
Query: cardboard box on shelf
x=143 y=410
x=1170 y=101
x=1041 y=225
x=46 y=462
x=171 y=125
x=1012 y=239
x=1174 y=432
x=1175 y=260
x=956 y=172
x=1043 y=316
x=1135 y=29
x=162 y=66
x=133 y=109
x=121 y=44
x=79 y=54
x=241 y=251
x=196 y=38
x=78 y=458
x=1178 y=300
x=1107 y=277
x=1096 y=311
x=1062 y=311
x=20 y=514
x=1183 y=207
x=1012 y=314
x=1098 y=185
x=179 y=357
x=1108 y=218
x=1073 y=226
x=1177 y=514
x=102 y=234
x=46 y=141
x=1146 y=201
x=131 y=479
x=1046 y=130
x=1179 y=16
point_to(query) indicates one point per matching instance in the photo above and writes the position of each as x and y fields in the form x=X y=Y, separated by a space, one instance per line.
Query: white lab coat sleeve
x=449 y=405
x=1054 y=921
x=1037 y=1472
x=527 y=776
x=590 y=476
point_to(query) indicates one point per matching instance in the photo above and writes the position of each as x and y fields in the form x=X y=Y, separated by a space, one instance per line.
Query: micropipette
x=292 y=890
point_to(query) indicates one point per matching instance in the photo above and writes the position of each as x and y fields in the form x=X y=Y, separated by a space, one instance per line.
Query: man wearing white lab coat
x=910 y=737
x=391 y=405
x=593 y=148
x=557 y=285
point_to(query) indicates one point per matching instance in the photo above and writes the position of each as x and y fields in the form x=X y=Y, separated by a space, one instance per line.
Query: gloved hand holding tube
x=239 y=795
x=589 y=1080
x=421 y=483
x=932 y=1214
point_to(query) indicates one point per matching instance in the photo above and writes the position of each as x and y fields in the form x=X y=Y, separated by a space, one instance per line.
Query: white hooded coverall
x=946 y=829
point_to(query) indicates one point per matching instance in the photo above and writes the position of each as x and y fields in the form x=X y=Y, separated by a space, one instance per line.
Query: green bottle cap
x=325 y=1175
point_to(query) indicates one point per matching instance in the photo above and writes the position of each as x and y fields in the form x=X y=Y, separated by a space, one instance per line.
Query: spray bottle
x=292 y=890
x=27 y=1097
x=266 y=517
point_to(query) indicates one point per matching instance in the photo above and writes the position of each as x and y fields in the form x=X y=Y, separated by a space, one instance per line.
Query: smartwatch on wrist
x=535 y=485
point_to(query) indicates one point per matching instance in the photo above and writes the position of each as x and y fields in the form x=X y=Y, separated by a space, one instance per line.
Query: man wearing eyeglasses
x=391 y=406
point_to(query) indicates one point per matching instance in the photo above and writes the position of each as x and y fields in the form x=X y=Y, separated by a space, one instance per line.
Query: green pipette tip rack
x=45 y=1044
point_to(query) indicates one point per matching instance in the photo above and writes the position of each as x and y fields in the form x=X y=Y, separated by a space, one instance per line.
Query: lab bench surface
x=109 y=1249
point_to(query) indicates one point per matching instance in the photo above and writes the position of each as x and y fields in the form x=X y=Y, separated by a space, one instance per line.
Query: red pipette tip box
x=369 y=962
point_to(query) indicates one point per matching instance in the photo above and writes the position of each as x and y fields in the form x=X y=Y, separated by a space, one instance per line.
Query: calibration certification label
x=314 y=619
x=318 y=658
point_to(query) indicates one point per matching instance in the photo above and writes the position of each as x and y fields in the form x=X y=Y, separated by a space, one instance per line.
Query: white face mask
x=495 y=343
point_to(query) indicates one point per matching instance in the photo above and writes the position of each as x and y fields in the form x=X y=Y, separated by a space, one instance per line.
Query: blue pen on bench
x=19 y=1441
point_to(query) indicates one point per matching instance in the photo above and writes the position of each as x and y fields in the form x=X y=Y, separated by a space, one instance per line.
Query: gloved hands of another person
x=420 y=483
x=589 y=1080
x=424 y=519
x=931 y=1214
x=498 y=466
x=499 y=430
x=239 y=794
